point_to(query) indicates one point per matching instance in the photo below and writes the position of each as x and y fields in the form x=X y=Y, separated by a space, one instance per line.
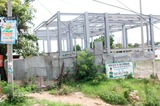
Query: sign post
x=1 y=64
x=10 y=49
x=8 y=35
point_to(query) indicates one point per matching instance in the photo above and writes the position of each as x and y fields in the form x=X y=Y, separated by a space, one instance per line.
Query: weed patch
x=113 y=97
x=64 y=90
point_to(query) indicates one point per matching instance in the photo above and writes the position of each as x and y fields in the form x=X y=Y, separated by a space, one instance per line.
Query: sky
x=47 y=8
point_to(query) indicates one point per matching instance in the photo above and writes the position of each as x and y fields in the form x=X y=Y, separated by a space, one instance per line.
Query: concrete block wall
x=46 y=66
x=143 y=69
x=49 y=67
x=143 y=61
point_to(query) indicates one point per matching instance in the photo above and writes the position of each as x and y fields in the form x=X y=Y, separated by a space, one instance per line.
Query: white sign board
x=119 y=70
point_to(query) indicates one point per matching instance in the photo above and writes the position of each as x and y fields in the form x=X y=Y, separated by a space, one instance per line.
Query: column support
x=59 y=34
x=124 y=37
x=75 y=49
x=63 y=41
x=147 y=33
x=43 y=46
x=152 y=33
x=106 y=35
x=48 y=39
x=82 y=47
x=126 y=33
x=70 y=37
x=92 y=42
x=68 y=42
x=86 y=29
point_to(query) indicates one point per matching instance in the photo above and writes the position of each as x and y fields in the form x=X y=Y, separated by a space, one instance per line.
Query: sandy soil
x=74 y=98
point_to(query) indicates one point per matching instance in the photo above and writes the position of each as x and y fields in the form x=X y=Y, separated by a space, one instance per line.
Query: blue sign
x=8 y=31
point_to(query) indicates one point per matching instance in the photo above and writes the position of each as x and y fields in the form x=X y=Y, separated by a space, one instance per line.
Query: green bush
x=86 y=68
x=113 y=98
x=14 y=93
x=152 y=98
x=16 y=97
x=30 y=88
x=98 y=78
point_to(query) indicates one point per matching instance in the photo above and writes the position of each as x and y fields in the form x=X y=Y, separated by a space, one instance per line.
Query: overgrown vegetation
x=64 y=90
x=18 y=97
x=117 y=91
x=86 y=69
x=136 y=92
x=14 y=94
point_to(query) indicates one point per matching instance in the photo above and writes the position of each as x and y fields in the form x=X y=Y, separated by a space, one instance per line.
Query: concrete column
x=48 y=39
x=63 y=41
x=123 y=36
x=147 y=33
x=75 y=43
x=86 y=29
x=106 y=35
x=70 y=38
x=82 y=43
x=126 y=33
x=92 y=41
x=43 y=46
x=59 y=34
x=68 y=42
x=152 y=34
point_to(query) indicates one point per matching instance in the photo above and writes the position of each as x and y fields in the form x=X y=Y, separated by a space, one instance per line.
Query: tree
x=130 y=45
x=157 y=43
x=119 y=45
x=136 y=45
x=27 y=45
x=23 y=12
x=78 y=48
x=101 y=38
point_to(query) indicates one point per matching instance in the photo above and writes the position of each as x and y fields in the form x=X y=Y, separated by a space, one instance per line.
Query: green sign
x=119 y=70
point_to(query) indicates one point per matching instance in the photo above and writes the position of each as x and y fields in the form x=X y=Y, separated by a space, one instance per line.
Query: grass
x=19 y=98
x=31 y=102
x=112 y=91
x=64 y=90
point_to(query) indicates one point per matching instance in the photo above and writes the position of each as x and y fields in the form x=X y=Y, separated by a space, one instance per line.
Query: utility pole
x=10 y=49
x=142 y=36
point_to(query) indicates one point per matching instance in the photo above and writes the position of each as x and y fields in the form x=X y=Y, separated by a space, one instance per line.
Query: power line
x=112 y=5
x=128 y=9
x=44 y=7
x=137 y=13
x=142 y=35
